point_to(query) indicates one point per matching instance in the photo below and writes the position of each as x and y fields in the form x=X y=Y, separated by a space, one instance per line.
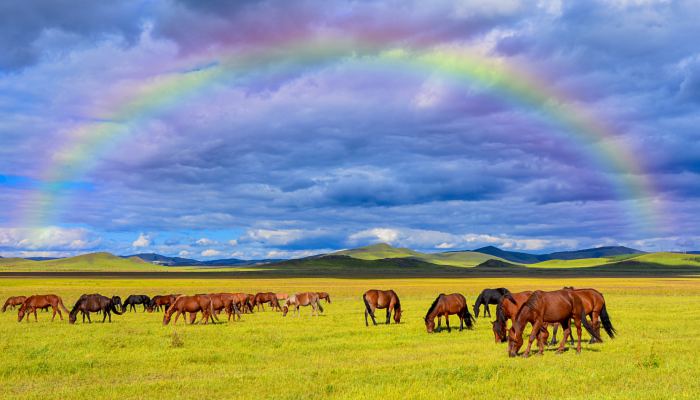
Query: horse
x=488 y=296
x=281 y=296
x=13 y=301
x=324 y=296
x=445 y=305
x=88 y=303
x=135 y=299
x=388 y=299
x=226 y=302
x=251 y=302
x=161 y=301
x=302 y=299
x=594 y=304
x=548 y=307
x=32 y=303
x=267 y=297
x=192 y=305
x=242 y=302
x=506 y=309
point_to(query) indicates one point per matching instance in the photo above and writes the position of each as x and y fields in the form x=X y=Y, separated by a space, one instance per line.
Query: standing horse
x=135 y=299
x=251 y=302
x=324 y=296
x=548 y=307
x=388 y=299
x=161 y=301
x=33 y=303
x=226 y=302
x=192 y=305
x=507 y=308
x=302 y=299
x=88 y=303
x=13 y=301
x=594 y=304
x=445 y=305
x=488 y=296
x=266 y=297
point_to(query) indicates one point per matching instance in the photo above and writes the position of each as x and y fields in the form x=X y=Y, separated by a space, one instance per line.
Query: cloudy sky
x=252 y=129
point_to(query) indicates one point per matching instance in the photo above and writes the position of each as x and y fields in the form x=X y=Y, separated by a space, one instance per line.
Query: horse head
x=397 y=315
x=429 y=325
x=21 y=313
x=499 y=332
x=285 y=310
x=515 y=342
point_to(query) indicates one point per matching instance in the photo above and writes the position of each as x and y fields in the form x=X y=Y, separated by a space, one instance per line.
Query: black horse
x=135 y=299
x=88 y=303
x=489 y=296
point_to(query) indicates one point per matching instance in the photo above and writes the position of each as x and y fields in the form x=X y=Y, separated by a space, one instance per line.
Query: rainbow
x=126 y=114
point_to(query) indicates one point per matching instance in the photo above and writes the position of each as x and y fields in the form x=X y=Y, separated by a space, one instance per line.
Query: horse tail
x=432 y=306
x=607 y=324
x=113 y=308
x=60 y=303
x=468 y=318
x=4 y=307
x=249 y=304
x=589 y=327
x=367 y=306
x=509 y=297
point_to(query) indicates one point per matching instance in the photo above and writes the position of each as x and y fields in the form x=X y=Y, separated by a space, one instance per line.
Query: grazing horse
x=548 y=307
x=33 y=303
x=161 y=301
x=13 y=301
x=226 y=302
x=135 y=299
x=488 y=296
x=324 y=296
x=507 y=308
x=242 y=302
x=267 y=297
x=281 y=296
x=88 y=303
x=251 y=302
x=302 y=299
x=388 y=299
x=192 y=305
x=445 y=305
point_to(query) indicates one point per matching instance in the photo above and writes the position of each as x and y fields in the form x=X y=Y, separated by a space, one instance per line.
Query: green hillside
x=382 y=250
x=101 y=262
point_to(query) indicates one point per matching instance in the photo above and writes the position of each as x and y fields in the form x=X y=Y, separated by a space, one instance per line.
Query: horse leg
x=371 y=314
x=461 y=322
x=447 y=322
x=535 y=330
x=88 y=317
x=388 y=315
x=54 y=314
x=595 y=321
x=566 y=325
x=59 y=312
x=487 y=310
x=439 y=322
x=554 y=335
x=578 y=332
x=35 y=317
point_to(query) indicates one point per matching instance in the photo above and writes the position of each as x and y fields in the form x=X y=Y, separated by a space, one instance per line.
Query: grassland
x=336 y=356
x=96 y=262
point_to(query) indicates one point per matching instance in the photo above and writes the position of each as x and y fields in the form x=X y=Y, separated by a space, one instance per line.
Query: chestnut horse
x=266 y=297
x=13 y=301
x=161 y=301
x=445 y=305
x=506 y=309
x=281 y=296
x=548 y=307
x=303 y=299
x=88 y=303
x=32 y=303
x=226 y=302
x=388 y=299
x=192 y=305
x=324 y=296
x=594 y=304
x=251 y=303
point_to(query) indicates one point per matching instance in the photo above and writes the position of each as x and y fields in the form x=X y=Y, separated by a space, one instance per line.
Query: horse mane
x=432 y=306
x=531 y=302
x=500 y=314
x=397 y=306
x=503 y=290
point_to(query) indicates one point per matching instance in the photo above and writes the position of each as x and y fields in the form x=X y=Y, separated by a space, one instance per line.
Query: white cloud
x=210 y=253
x=184 y=253
x=233 y=242
x=445 y=245
x=274 y=237
x=205 y=242
x=48 y=238
x=385 y=235
x=143 y=240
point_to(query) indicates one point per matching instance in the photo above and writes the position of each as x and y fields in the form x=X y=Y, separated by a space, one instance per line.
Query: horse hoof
x=526 y=355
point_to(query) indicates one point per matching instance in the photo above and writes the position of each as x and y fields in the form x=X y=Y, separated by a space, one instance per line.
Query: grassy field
x=336 y=356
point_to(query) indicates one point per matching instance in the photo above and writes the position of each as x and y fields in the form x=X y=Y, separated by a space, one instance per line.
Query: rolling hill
x=97 y=262
x=527 y=258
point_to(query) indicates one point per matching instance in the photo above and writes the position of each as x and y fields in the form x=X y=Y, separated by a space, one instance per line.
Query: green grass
x=97 y=262
x=336 y=356
x=382 y=250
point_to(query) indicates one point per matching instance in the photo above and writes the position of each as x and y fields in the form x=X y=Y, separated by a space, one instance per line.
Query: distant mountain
x=159 y=259
x=527 y=258
x=42 y=258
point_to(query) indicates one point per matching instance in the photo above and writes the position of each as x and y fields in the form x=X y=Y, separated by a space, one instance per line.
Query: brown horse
x=32 y=303
x=381 y=299
x=226 y=302
x=161 y=301
x=548 y=307
x=251 y=302
x=506 y=309
x=88 y=303
x=445 y=305
x=13 y=301
x=594 y=304
x=266 y=297
x=303 y=299
x=192 y=305
x=281 y=296
x=324 y=296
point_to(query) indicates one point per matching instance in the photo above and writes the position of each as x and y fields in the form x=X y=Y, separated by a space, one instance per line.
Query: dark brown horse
x=13 y=301
x=506 y=309
x=594 y=304
x=33 y=303
x=303 y=299
x=548 y=307
x=88 y=303
x=267 y=297
x=324 y=296
x=192 y=305
x=161 y=301
x=486 y=297
x=381 y=299
x=445 y=305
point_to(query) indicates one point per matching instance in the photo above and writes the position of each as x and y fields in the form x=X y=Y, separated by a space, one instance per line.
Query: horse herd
x=540 y=309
